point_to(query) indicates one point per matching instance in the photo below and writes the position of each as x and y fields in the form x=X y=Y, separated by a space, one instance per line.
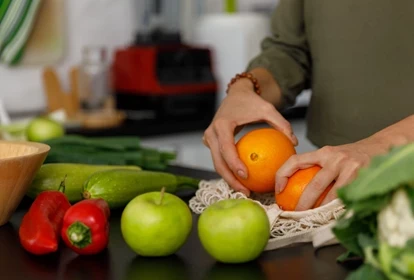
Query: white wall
x=105 y=22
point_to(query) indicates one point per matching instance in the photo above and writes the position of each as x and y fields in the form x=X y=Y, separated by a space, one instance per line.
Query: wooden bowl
x=19 y=163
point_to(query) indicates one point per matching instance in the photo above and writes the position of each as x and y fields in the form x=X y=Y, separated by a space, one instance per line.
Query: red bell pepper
x=86 y=226
x=39 y=231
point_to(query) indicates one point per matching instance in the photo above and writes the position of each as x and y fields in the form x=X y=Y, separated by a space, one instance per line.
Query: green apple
x=234 y=230
x=43 y=128
x=156 y=224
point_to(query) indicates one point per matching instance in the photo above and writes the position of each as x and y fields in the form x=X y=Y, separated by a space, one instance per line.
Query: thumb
x=276 y=120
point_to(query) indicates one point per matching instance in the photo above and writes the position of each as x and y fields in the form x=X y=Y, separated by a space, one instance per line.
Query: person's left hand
x=339 y=164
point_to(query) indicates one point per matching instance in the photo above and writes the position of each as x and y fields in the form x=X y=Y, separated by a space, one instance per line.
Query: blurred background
x=149 y=68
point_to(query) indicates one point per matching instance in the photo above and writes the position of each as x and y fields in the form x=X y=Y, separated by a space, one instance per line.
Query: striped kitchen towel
x=17 y=18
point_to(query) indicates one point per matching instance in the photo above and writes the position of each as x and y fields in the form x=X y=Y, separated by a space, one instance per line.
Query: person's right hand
x=240 y=107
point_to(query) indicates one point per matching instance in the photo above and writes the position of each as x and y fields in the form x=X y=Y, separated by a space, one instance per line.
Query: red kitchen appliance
x=161 y=79
x=164 y=81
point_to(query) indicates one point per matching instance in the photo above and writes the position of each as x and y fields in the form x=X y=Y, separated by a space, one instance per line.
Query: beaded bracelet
x=256 y=86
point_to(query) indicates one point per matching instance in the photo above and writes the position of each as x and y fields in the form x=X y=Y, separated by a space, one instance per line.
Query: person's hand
x=240 y=107
x=339 y=164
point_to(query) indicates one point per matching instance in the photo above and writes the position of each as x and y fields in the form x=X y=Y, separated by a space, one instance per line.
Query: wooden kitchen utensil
x=53 y=90
x=102 y=119
x=58 y=99
x=73 y=96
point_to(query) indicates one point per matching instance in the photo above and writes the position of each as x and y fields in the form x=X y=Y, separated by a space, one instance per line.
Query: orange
x=263 y=151
x=289 y=197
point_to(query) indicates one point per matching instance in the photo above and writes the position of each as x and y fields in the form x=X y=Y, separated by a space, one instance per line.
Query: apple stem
x=162 y=194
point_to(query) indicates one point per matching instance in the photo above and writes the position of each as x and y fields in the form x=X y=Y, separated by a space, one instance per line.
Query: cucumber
x=120 y=186
x=50 y=176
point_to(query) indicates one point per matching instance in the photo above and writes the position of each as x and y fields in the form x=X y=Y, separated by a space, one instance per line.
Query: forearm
x=283 y=67
x=398 y=134
x=269 y=89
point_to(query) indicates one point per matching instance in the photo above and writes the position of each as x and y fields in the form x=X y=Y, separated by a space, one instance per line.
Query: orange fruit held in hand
x=289 y=197
x=263 y=151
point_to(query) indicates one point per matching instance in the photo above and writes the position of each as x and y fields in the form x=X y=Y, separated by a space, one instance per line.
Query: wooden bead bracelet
x=245 y=75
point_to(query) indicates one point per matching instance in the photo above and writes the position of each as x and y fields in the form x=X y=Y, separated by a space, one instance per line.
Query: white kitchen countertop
x=192 y=152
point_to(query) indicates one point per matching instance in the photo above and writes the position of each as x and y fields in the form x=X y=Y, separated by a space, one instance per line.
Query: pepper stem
x=162 y=195
x=79 y=235
x=86 y=195
x=62 y=186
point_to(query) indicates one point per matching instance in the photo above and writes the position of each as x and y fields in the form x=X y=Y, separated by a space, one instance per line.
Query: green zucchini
x=50 y=176
x=119 y=186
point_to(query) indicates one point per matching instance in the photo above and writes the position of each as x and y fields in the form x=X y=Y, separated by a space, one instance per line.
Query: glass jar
x=94 y=79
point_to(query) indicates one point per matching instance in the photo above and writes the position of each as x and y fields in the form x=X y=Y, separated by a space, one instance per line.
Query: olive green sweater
x=357 y=56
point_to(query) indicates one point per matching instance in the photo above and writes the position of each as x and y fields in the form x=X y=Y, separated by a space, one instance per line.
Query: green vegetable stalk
x=378 y=224
x=117 y=150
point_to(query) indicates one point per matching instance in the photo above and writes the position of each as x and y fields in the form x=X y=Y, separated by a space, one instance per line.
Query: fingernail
x=279 y=186
x=246 y=193
x=294 y=138
x=241 y=174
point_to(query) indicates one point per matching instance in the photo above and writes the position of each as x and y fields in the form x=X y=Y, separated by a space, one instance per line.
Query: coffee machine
x=161 y=81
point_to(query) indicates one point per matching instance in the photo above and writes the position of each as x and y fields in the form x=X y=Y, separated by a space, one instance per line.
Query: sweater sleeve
x=285 y=54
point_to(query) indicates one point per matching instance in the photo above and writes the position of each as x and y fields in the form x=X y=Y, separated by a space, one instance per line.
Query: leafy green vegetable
x=120 y=150
x=384 y=174
x=372 y=226
x=365 y=272
x=370 y=206
x=347 y=256
x=126 y=142
x=410 y=194
x=403 y=259
x=406 y=265
x=348 y=229
x=78 y=140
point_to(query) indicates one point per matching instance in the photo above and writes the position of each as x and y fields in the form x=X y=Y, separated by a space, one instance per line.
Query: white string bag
x=287 y=227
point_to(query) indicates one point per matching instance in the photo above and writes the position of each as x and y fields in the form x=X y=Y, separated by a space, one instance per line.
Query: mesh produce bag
x=287 y=227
